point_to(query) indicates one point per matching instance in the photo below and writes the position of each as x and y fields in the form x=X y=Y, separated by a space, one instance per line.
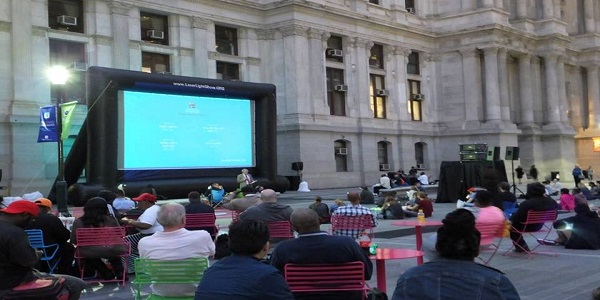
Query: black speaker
x=465 y=148
x=493 y=153
x=298 y=166
x=473 y=156
x=512 y=153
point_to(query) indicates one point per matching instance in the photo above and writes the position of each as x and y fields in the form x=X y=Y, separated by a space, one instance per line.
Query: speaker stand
x=514 y=186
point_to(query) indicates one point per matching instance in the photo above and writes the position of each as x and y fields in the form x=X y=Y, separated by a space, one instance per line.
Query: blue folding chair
x=509 y=208
x=36 y=239
x=216 y=197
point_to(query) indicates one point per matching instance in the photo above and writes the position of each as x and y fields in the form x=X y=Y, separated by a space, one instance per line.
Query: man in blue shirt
x=243 y=275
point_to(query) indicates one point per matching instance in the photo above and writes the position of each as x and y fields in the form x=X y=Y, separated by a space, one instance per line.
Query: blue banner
x=48 y=127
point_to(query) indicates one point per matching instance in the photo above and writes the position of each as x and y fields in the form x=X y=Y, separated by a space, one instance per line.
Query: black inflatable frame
x=103 y=86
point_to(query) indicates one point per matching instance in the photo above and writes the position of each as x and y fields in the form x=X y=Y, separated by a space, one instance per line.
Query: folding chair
x=280 y=230
x=536 y=217
x=326 y=277
x=202 y=221
x=235 y=216
x=509 y=208
x=150 y=271
x=216 y=197
x=36 y=239
x=103 y=237
x=352 y=224
x=491 y=237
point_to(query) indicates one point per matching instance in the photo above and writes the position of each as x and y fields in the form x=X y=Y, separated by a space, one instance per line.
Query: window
x=378 y=94
x=66 y=15
x=226 y=39
x=374 y=2
x=154 y=28
x=334 y=49
x=228 y=71
x=336 y=92
x=382 y=156
x=413 y=64
x=155 y=63
x=420 y=149
x=376 y=58
x=67 y=54
x=415 y=100
x=341 y=154
x=410 y=6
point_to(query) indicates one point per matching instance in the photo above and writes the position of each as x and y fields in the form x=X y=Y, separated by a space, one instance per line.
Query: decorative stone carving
x=363 y=43
x=466 y=53
x=266 y=34
x=119 y=8
x=400 y=50
x=314 y=33
x=201 y=23
x=294 y=29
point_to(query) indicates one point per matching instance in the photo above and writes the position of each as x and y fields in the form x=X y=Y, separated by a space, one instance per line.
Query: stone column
x=361 y=67
x=466 y=5
x=521 y=9
x=295 y=51
x=492 y=92
x=563 y=103
x=119 y=15
x=472 y=84
x=401 y=60
x=593 y=96
x=588 y=7
x=487 y=3
x=526 y=89
x=552 y=99
x=536 y=77
x=503 y=85
x=557 y=13
x=201 y=42
x=317 y=43
x=548 y=8
x=499 y=4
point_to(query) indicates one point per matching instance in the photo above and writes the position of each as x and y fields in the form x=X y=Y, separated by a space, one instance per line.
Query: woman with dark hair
x=581 y=231
x=96 y=215
x=455 y=275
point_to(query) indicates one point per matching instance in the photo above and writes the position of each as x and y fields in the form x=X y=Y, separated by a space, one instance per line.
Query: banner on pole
x=48 y=128
x=67 y=110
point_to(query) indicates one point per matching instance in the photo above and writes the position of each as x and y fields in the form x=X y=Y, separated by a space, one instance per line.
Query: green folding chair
x=151 y=271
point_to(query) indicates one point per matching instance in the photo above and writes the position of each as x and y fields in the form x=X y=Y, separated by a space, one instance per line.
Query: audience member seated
x=536 y=200
x=175 y=243
x=151 y=190
x=556 y=185
x=243 y=275
x=197 y=207
x=455 y=275
x=109 y=197
x=580 y=198
x=422 y=202
x=54 y=233
x=550 y=191
x=581 y=231
x=391 y=209
x=586 y=192
x=384 y=183
x=567 y=201
x=330 y=249
x=336 y=204
x=269 y=210
x=354 y=209
x=122 y=203
x=96 y=215
x=147 y=224
x=17 y=256
x=505 y=199
x=593 y=188
x=423 y=179
x=366 y=197
x=321 y=209
x=250 y=198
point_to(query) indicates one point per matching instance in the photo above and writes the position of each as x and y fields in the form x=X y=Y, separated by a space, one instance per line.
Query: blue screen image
x=167 y=131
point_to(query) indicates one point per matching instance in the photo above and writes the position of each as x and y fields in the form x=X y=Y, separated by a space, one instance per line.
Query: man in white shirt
x=175 y=243
x=423 y=179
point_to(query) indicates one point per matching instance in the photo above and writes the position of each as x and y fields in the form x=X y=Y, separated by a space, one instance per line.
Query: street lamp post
x=58 y=76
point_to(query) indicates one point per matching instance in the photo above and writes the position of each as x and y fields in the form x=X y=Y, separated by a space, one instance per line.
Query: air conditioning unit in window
x=381 y=92
x=420 y=166
x=341 y=151
x=335 y=52
x=410 y=10
x=165 y=73
x=341 y=88
x=155 y=34
x=79 y=66
x=67 y=20
x=418 y=97
x=384 y=167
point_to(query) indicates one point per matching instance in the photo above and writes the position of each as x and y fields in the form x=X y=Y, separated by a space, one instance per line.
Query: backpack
x=50 y=288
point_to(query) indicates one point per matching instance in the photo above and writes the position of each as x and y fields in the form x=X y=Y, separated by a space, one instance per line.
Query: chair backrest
x=217 y=194
x=200 y=220
x=280 y=229
x=540 y=217
x=351 y=222
x=325 y=277
x=103 y=236
x=489 y=231
x=169 y=271
x=36 y=238
x=235 y=216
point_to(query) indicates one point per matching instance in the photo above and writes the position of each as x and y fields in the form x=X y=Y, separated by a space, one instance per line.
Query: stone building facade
x=363 y=86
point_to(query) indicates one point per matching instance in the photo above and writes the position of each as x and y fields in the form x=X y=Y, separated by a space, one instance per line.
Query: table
x=418 y=231
x=383 y=254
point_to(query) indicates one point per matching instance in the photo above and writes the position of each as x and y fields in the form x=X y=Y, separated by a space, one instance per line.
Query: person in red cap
x=17 y=257
x=147 y=224
x=54 y=233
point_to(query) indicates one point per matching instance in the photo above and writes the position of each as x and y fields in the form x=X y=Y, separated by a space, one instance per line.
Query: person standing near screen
x=244 y=179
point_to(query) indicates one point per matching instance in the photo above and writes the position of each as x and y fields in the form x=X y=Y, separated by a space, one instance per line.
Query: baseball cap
x=21 y=206
x=145 y=197
x=43 y=202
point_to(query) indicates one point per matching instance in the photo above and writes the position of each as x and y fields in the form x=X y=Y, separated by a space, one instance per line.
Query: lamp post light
x=58 y=76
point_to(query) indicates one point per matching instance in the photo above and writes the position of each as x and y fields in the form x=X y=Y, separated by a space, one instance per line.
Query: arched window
x=420 y=152
x=341 y=155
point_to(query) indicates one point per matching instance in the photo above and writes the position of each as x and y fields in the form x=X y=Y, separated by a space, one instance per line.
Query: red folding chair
x=353 y=224
x=546 y=218
x=102 y=237
x=491 y=237
x=235 y=216
x=326 y=277
x=281 y=230
x=202 y=221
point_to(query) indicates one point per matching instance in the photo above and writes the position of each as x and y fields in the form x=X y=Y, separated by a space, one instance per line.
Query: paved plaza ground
x=573 y=274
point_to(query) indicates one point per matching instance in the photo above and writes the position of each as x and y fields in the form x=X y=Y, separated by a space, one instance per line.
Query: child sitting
x=567 y=201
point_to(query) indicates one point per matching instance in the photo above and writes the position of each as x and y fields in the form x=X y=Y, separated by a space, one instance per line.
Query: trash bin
x=554 y=174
